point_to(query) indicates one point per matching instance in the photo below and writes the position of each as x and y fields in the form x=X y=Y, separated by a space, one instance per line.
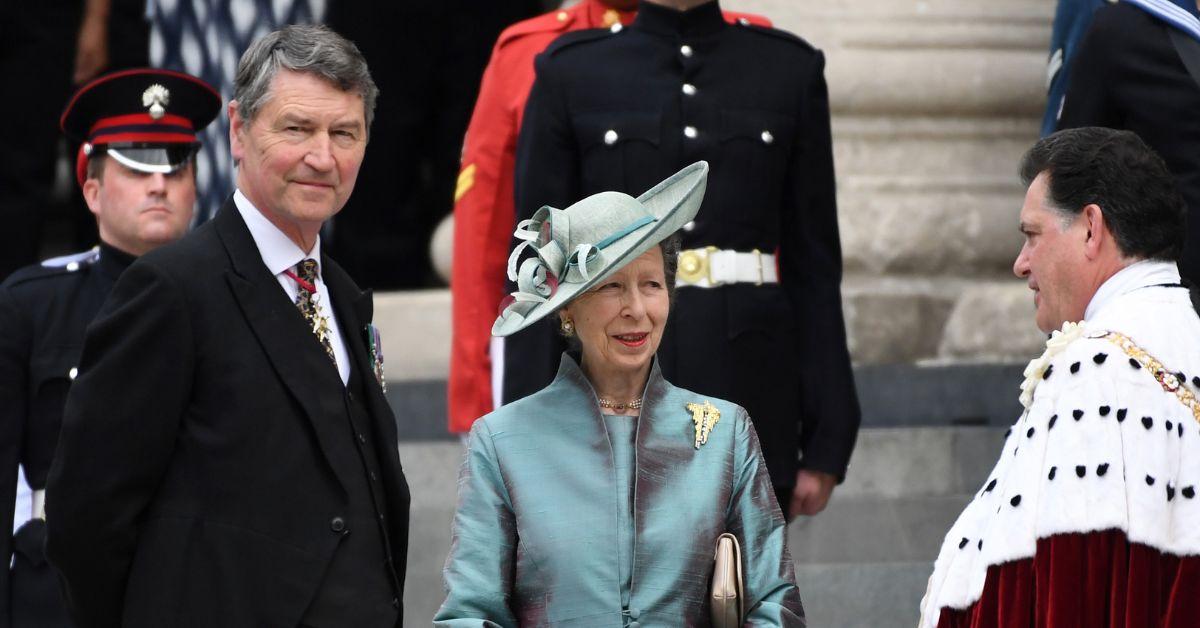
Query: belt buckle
x=694 y=265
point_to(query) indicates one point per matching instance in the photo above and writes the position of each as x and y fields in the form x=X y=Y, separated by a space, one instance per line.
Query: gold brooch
x=704 y=417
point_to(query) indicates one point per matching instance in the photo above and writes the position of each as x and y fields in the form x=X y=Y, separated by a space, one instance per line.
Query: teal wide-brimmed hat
x=578 y=247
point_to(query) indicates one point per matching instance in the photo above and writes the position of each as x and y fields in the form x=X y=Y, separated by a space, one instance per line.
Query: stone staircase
x=861 y=563
x=930 y=435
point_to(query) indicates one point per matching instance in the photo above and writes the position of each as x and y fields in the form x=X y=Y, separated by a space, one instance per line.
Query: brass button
x=689 y=89
x=685 y=50
x=610 y=137
x=690 y=132
x=767 y=138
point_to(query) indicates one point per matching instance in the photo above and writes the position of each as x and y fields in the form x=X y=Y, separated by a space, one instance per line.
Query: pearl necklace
x=620 y=407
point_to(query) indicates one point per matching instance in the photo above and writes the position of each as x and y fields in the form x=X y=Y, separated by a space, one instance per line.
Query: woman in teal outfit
x=598 y=501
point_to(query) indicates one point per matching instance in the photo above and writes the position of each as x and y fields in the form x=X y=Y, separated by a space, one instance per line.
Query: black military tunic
x=624 y=109
x=44 y=311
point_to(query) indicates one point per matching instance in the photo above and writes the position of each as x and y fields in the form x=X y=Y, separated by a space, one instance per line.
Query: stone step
x=862 y=562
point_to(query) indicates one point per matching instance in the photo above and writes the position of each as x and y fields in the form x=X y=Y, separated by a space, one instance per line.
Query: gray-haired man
x=227 y=456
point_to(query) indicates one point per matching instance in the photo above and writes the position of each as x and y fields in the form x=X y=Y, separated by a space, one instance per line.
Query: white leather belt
x=39 y=504
x=711 y=267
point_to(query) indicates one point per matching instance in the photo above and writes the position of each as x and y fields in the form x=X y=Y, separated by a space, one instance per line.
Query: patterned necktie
x=308 y=301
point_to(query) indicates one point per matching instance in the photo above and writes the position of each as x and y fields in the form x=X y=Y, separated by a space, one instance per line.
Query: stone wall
x=933 y=104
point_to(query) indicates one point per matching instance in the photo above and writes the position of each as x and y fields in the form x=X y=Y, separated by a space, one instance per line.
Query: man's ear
x=237 y=127
x=1097 y=230
x=91 y=194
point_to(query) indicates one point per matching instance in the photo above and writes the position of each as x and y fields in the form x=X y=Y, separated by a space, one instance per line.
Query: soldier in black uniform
x=758 y=314
x=137 y=174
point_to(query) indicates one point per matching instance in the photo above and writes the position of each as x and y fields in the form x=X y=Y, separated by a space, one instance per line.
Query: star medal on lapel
x=375 y=342
x=704 y=418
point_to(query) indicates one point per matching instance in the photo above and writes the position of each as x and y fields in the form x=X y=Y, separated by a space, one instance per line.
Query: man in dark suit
x=227 y=456
x=758 y=313
x=137 y=175
x=1130 y=74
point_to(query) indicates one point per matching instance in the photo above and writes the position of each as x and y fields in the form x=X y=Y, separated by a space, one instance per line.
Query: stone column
x=933 y=104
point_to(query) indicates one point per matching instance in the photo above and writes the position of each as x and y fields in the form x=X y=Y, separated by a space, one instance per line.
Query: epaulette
x=578 y=37
x=74 y=261
x=775 y=32
x=54 y=267
x=552 y=22
x=747 y=19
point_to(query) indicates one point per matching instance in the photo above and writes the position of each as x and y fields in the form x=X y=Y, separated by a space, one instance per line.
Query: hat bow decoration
x=577 y=247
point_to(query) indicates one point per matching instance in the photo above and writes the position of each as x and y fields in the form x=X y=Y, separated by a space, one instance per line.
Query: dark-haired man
x=1089 y=518
x=137 y=175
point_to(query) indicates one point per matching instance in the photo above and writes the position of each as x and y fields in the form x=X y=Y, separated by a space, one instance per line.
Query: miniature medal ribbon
x=704 y=418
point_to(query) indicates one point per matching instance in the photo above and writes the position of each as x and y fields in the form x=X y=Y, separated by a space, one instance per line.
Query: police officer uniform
x=45 y=309
x=757 y=315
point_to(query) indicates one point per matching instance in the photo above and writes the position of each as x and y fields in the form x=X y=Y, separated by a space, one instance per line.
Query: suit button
x=767 y=138
x=685 y=50
x=688 y=89
x=373 y=477
x=395 y=602
x=338 y=524
x=634 y=613
x=690 y=132
x=73 y=373
x=634 y=624
x=361 y=438
x=350 y=395
x=610 y=137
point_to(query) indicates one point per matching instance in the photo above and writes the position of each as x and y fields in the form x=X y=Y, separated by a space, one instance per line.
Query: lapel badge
x=156 y=97
x=375 y=343
x=704 y=418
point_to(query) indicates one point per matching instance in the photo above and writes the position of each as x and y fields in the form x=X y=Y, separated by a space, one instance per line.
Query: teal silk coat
x=535 y=534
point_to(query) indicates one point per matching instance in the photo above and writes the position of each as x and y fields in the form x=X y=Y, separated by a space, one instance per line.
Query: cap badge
x=156 y=97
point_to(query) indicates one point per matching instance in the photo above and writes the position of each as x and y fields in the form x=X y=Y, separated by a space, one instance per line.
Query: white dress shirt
x=279 y=253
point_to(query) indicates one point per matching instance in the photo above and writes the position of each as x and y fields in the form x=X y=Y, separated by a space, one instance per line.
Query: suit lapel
x=285 y=339
x=354 y=308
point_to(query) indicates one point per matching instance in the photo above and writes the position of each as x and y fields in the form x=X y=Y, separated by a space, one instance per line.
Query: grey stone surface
x=882 y=595
x=891 y=395
x=993 y=321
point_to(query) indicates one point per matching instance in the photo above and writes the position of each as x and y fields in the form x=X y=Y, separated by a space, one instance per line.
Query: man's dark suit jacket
x=198 y=480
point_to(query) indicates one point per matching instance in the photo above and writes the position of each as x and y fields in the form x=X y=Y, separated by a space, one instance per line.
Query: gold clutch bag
x=728 y=595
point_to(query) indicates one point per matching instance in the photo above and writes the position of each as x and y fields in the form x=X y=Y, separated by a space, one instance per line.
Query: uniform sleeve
x=483 y=219
x=479 y=569
x=118 y=434
x=772 y=598
x=547 y=173
x=547 y=169
x=811 y=269
x=1087 y=101
x=14 y=407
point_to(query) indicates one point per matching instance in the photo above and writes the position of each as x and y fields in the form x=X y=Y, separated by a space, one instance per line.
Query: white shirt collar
x=278 y=251
x=1141 y=274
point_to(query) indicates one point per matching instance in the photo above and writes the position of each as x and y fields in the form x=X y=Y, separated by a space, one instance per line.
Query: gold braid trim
x=1166 y=378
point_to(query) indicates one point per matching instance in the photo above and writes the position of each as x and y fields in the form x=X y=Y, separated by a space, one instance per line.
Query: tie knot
x=307 y=270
